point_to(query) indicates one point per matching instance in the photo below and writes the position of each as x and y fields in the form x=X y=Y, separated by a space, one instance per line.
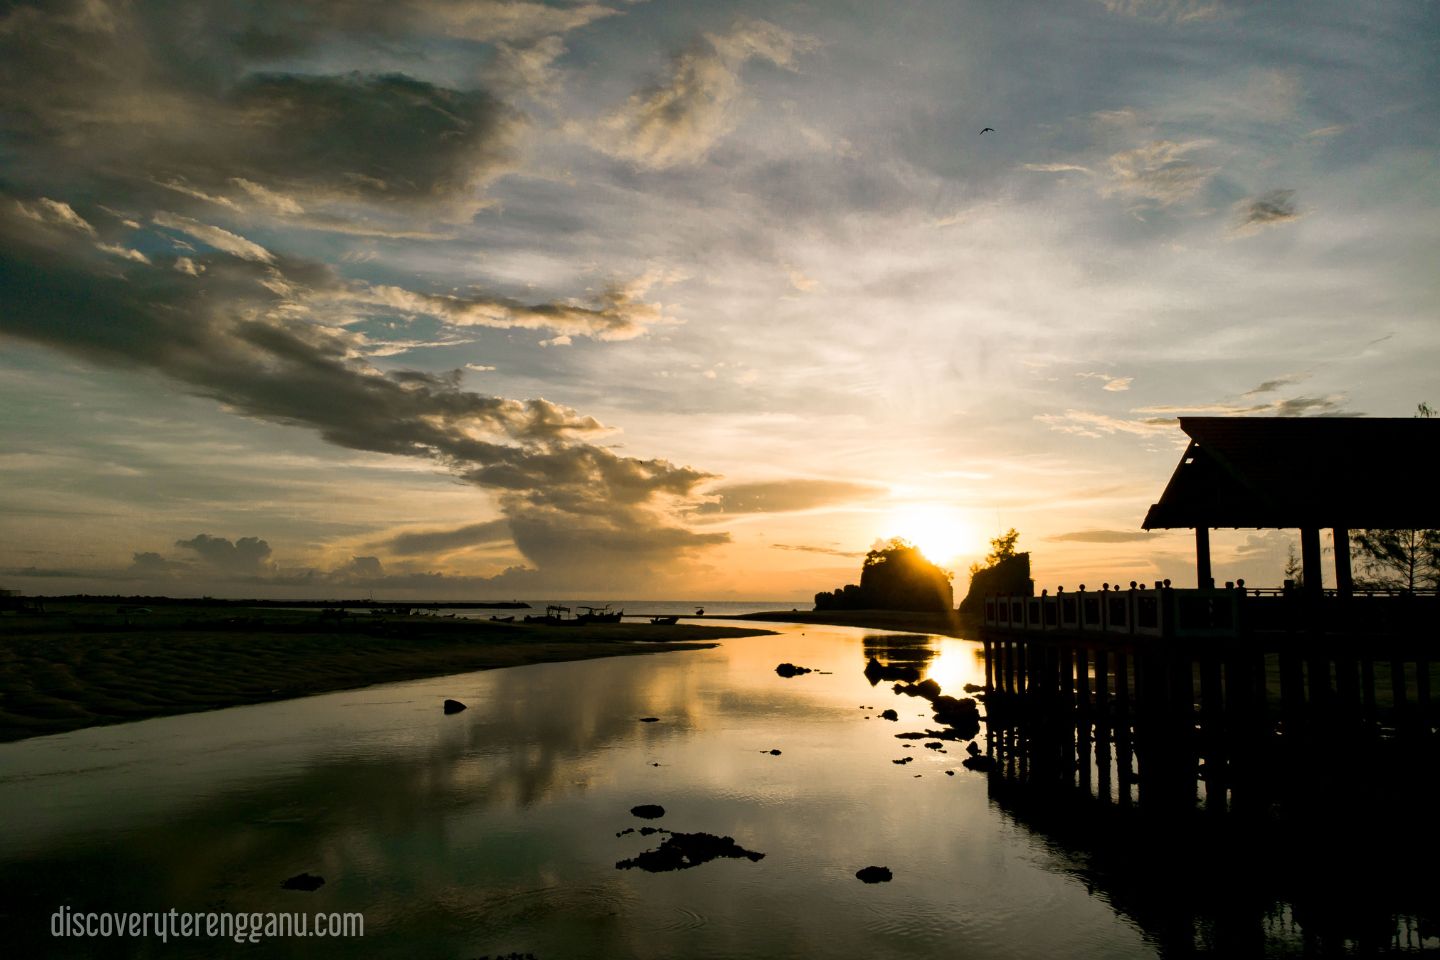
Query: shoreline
x=944 y=623
x=77 y=666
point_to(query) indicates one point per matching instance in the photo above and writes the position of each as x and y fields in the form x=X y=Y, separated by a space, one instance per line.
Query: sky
x=482 y=299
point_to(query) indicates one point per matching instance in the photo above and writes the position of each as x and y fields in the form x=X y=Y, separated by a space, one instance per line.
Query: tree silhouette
x=1409 y=559
x=895 y=576
x=1006 y=570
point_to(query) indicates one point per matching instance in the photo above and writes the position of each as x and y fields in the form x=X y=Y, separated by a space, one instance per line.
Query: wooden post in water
x=1203 y=578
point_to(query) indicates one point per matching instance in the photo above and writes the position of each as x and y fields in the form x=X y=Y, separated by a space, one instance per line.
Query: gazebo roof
x=1287 y=472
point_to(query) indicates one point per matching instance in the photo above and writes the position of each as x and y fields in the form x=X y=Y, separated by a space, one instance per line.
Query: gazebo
x=1341 y=473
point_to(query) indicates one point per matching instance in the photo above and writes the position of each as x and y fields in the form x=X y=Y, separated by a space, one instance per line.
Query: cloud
x=1087 y=424
x=1270 y=386
x=430 y=542
x=1268 y=209
x=1059 y=168
x=1113 y=384
x=248 y=555
x=247 y=334
x=1158 y=172
x=1171 y=11
x=47 y=211
x=1332 y=406
x=527 y=69
x=216 y=237
x=510 y=20
x=678 y=120
x=142 y=565
x=799 y=280
x=156 y=102
x=781 y=496
x=618 y=312
x=829 y=551
x=359 y=568
x=1101 y=536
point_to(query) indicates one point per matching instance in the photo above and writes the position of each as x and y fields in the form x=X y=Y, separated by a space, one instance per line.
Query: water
x=495 y=829
x=651 y=608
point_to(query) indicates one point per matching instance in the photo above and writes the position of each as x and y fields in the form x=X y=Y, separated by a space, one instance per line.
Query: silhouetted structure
x=1301 y=472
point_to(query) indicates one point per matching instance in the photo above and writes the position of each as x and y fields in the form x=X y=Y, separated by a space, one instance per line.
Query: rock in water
x=681 y=851
x=649 y=719
x=648 y=811
x=889 y=715
x=303 y=881
x=982 y=764
x=790 y=670
x=874 y=875
x=453 y=706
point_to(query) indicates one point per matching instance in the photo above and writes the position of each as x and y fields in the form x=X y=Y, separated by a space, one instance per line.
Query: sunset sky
x=485 y=299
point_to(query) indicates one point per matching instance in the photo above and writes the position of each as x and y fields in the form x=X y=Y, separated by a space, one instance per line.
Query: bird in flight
x=987 y=130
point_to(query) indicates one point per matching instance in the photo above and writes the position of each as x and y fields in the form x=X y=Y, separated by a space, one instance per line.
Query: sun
x=942 y=533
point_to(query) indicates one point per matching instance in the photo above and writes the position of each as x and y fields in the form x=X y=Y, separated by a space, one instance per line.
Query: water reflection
x=1215 y=827
x=495 y=829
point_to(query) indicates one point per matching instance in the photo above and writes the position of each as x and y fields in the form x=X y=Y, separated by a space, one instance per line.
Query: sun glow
x=941 y=533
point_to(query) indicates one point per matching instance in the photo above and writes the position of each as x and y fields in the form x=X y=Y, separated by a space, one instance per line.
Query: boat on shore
x=664 y=621
x=598 y=615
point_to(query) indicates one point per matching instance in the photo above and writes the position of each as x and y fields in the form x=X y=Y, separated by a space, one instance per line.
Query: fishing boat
x=664 y=621
x=554 y=614
x=598 y=615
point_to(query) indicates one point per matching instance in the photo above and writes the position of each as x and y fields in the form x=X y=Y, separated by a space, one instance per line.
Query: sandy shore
x=946 y=624
x=82 y=665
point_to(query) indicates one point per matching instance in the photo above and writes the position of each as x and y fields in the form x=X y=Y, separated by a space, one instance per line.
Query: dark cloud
x=1266 y=210
x=135 y=99
x=430 y=542
x=1101 y=536
x=786 y=495
x=251 y=332
x=142 y=565
x=246 y=556
x=677 y=120
x=804 y=548
x=1270 y=386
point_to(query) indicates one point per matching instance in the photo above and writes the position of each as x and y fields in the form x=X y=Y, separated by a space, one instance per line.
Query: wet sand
x=82 y=665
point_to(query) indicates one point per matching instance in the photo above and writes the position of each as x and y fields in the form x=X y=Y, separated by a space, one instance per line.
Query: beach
x=88 y=664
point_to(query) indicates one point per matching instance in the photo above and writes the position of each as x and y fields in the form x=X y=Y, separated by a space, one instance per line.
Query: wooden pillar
x=1344 y=580
x=1202 y=558
x=1310 y=560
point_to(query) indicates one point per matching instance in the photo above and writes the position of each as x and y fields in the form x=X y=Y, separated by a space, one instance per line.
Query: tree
x=895 y=576
x=1294 y=570
x=1006 y=571
x=1409 y=559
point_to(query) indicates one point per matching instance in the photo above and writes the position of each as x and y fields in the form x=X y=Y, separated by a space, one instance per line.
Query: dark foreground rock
x=681 y=851
x=648 y=811
x=303 y=881
x=926 y=688
x=790 y=670
x=875 y=671
x=453 y=706
x=874 y=875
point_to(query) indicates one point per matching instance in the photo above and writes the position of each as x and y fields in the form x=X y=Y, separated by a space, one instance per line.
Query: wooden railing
x=1230 y=611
